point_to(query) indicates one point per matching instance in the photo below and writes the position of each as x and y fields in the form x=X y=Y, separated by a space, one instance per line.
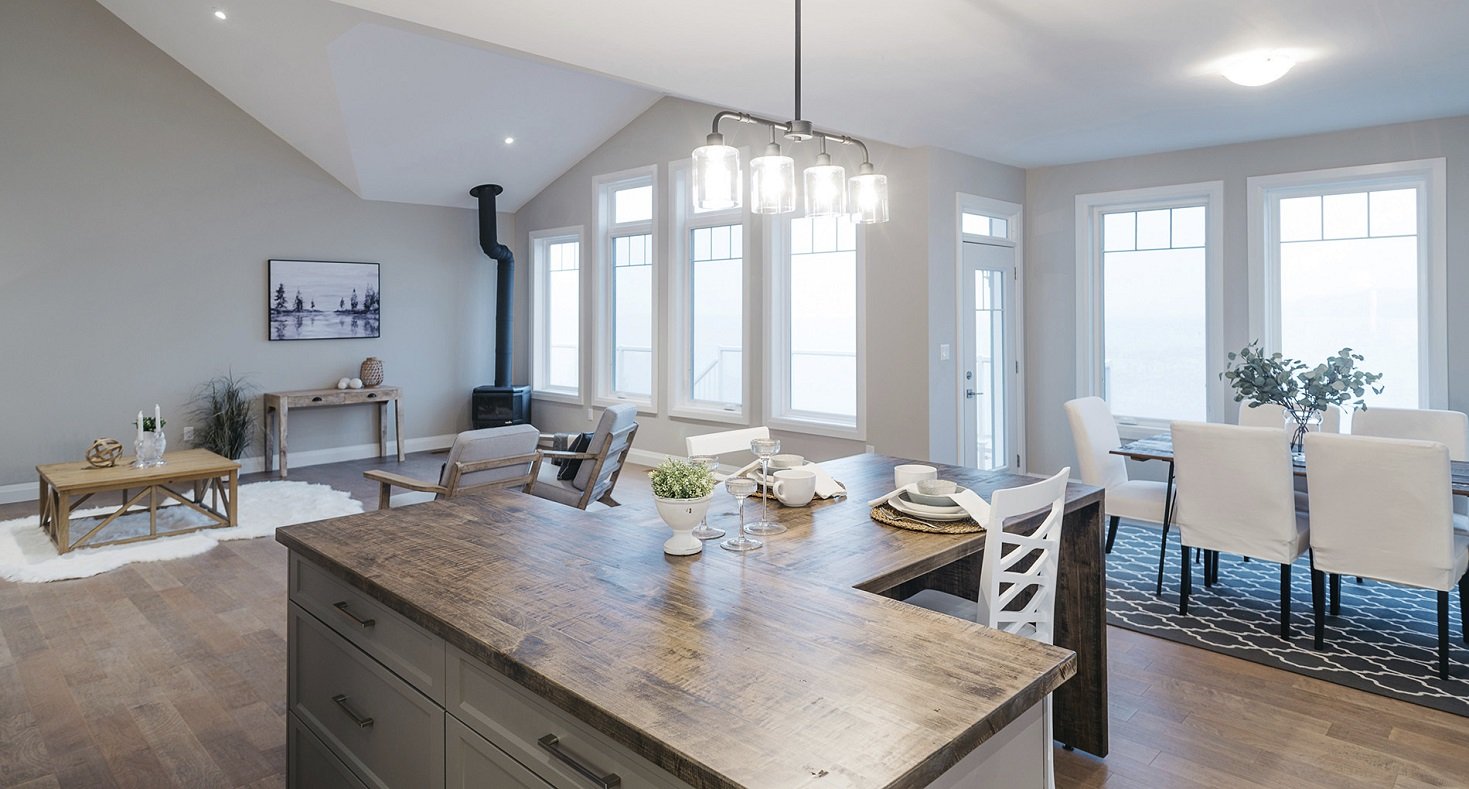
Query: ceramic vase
x=682 y=515
x=372 y=371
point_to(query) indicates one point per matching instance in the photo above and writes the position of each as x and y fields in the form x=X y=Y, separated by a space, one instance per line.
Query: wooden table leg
x=269 y=411
x=280 y=434
x=1080 y=705
x=153 y=510
x=398 y=425
x=233 y=505
x=382 y=429
x=62 y=517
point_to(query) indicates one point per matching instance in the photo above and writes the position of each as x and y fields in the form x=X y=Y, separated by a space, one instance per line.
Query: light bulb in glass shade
x=826 y=188
x=717 y=181
x=867 y=195
x=772 y=182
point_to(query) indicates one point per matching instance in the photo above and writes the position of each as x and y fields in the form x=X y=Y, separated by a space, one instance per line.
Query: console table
x=278 y=406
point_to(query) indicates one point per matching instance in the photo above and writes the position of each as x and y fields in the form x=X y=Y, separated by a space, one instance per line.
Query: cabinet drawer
x=388 y=733
x=519 y=722
x=475 y=763
x=310 y=765
x=408 y=650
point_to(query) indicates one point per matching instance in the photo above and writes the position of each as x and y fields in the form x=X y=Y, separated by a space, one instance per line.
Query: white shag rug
x=27 y=555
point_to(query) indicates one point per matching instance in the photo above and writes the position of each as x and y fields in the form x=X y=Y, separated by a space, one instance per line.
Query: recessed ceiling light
x=1257 y=68
x=509 y=140
x=220 y=15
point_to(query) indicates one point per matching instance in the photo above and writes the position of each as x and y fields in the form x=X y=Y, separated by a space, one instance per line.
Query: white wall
x=906 y=260
x=1051 y=246
x=137 y=211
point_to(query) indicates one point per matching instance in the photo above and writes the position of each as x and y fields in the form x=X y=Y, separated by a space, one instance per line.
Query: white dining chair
x=1381 y=509
x=1235 y=495
x=1094 y=432
x=1272 y=415
x=724 y=442
x=1018 y=601
x=1450 y=428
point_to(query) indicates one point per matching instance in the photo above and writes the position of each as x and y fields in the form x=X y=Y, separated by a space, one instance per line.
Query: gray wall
x=1051 y=245
x=137 y=210
x=904 y=260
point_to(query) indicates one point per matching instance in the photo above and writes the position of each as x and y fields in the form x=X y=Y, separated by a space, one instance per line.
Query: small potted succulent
x=682 y=490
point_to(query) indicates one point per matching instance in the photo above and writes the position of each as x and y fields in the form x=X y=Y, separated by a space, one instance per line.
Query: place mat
x=886 y=515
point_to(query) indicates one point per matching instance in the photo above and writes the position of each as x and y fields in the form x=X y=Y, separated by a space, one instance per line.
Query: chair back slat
x=1016 y=599
x=472 y=449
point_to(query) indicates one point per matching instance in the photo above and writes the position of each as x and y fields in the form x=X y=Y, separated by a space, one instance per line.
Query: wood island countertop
x=766 y=669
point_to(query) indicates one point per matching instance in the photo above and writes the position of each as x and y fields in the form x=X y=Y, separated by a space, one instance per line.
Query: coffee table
x=66 y=486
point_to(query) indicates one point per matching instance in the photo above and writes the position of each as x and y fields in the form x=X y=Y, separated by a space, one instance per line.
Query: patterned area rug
x=1385 y=641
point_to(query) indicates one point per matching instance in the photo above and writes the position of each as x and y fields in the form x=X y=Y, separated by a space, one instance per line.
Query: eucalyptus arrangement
x=224 y=408
x=681 y=479
x=681 y=490
x=1303 y=391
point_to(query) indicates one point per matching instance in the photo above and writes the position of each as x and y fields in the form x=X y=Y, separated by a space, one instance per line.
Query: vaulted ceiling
x=411 y=100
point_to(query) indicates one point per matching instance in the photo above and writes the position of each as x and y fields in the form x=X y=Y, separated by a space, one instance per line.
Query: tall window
x=1150 y=262
x=626 y=369
x=556 y=314
x=1348 y=264
x=707 y=308
x=819 y=368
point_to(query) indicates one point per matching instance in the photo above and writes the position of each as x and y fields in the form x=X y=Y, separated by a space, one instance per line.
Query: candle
x=157 y=419
x=140 y=425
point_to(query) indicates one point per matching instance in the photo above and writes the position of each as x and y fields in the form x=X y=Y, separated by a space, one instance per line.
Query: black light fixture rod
x=745 y=117
x=798 y=60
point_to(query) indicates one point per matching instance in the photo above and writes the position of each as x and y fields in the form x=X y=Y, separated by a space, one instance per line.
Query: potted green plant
x=224 y=407
x=682 y=490
x=1303 y=391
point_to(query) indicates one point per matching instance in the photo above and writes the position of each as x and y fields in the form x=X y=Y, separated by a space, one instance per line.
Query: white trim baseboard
x=644 y=457
x=24 y=491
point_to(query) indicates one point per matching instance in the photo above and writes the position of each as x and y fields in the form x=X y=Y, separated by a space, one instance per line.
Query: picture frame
x=322 y=300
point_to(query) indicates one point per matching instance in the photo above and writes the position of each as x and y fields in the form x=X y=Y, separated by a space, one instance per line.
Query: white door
x=988 y=370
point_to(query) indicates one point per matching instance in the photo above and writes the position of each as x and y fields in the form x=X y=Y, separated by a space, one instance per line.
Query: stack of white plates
x=927 y=509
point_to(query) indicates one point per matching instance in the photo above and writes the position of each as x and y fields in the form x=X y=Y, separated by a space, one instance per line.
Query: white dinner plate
x=943 y=502
x=946 y=509
x=926 y=513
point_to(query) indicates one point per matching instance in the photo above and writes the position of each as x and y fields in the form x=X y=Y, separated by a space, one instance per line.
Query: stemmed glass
x=704 y=531
x=765 y=448
x=740 y=488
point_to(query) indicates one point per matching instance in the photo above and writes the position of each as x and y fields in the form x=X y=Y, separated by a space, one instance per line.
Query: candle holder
x=149 y=449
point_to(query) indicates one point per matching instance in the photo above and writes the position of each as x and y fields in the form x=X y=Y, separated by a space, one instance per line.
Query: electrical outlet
x=589 y=415
x=189 y=434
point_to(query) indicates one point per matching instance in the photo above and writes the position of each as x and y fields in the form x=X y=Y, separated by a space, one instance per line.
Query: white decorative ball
x=355 y=383
x=343 y=383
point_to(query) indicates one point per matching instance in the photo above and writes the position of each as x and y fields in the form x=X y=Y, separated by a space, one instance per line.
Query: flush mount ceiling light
x=1257 y=68
x=509 y=140
x=220 y=15
x=718 y=181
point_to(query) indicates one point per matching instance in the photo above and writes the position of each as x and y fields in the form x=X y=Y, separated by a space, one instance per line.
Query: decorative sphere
x=104 y=452
x=343 y=383
x=355 y=383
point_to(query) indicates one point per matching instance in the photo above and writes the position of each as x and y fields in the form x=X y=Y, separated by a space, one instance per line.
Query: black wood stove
x=503 y=403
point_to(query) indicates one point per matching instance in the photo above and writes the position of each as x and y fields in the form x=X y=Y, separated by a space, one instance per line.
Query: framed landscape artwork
x=324 y=300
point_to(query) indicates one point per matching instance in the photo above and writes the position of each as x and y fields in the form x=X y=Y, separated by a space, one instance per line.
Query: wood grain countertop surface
x=764 y=669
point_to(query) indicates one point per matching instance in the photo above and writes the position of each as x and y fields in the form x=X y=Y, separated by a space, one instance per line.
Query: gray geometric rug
x=1385 y=641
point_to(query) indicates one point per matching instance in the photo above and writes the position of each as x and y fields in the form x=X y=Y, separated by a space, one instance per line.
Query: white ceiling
x=1019 y=81
x=410 y=100
x=394 y=111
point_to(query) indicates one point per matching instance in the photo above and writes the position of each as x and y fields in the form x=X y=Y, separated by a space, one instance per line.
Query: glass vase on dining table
x=740 y=488
x=765 y=449
x=704 y=531
x=1300 y=422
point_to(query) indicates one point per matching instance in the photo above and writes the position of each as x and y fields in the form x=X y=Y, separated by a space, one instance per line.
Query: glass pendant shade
x=717 y=181
x=826 y=188
x=867 y=196
x=772 y=182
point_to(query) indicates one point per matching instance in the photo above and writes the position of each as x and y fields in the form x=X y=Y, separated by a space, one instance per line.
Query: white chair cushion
x=1461 y=523
x=1138 y=500
x=560 y=490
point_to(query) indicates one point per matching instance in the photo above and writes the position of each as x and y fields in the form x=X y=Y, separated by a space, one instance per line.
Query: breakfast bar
x=506 y=640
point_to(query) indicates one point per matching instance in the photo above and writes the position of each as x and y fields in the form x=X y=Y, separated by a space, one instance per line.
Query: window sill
x=709 y=415
x=817 y=428
x=569 y=398
x=645 y=407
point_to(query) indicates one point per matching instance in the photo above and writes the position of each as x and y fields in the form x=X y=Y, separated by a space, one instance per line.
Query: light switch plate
x=944 y=352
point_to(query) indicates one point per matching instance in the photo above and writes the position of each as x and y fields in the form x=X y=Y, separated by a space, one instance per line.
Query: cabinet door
x=473 y=762
x=310 y=765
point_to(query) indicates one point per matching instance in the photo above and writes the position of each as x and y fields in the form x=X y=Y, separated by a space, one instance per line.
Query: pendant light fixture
x=717 y=179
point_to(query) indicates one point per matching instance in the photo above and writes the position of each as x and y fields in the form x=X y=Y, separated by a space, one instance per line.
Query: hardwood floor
x=173 y=674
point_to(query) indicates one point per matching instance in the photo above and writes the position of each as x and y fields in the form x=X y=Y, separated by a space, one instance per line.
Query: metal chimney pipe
x=489 y=241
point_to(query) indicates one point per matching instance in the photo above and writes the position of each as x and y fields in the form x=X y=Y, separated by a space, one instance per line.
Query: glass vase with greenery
x=1305 y=392
x=224 y=407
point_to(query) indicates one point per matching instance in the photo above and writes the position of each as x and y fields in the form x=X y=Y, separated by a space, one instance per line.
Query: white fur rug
x=27 y=555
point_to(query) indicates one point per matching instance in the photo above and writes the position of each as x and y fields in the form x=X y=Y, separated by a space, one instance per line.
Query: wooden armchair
x=497 y=457
x=600 y=467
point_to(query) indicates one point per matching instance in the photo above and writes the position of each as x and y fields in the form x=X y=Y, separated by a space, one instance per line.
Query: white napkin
x=826 y=486
x=738 y=472
x=976 y=507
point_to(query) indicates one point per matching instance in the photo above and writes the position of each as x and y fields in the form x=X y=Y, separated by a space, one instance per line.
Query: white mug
x=908 y=474
x=794 y=487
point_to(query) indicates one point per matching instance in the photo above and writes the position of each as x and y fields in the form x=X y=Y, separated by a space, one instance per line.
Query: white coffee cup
x=794 y=487
x=905 y=475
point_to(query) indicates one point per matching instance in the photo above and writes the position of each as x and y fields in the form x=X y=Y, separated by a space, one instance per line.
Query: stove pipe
x=504 y=278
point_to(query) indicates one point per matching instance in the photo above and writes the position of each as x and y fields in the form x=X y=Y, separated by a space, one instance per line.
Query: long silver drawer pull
x=341 y=700
x=551 y=743
x=366 y=623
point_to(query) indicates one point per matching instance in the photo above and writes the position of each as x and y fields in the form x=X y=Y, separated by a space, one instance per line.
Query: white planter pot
x=682 y=515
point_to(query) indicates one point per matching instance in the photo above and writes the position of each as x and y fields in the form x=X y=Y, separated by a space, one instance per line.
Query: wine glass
x=765 y=448
x=740 y=488
x=704 y=531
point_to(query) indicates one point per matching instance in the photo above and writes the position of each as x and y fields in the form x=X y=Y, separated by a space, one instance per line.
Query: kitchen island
x=507 y=640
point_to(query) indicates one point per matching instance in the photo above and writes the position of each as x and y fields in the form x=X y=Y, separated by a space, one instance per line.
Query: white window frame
x=1014 y=216
x=777 y=348
x=1090 y=339
x=685 y=220
x=540 y=240
x=1428 y=175
x=605 y=186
